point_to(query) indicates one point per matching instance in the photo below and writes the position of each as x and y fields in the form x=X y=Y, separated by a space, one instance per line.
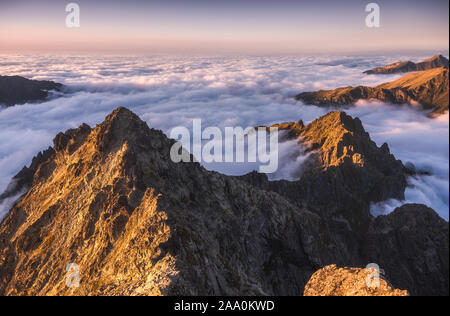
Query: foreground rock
x=428 y=88
x=18 y=90
x=334 y=281
x=111 y=201
x=408 y=66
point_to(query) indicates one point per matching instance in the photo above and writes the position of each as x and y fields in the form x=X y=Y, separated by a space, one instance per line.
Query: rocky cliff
x=429 y=88
x=408 y=66
x=110 y=200
x=18 y=90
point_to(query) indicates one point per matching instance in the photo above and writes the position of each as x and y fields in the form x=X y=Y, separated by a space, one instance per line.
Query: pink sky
x=220 y=26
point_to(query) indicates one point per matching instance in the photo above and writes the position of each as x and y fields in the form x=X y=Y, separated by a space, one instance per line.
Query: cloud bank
x=170 y=91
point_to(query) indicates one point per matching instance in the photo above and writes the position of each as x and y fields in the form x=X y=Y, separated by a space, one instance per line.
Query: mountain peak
x=121 y=119
x=120 y=127
x=340 y=138
x=437 y=57
x=338 y=120
x=121 y=114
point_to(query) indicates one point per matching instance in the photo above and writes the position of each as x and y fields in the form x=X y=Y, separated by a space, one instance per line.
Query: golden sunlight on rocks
x=334 y=281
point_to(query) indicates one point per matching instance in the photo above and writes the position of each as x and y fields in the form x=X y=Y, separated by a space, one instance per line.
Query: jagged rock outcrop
x=429 y=88
x=18 y=90
x=436 y=61
x=334 y=281
x=344 y=165
x=110 y=200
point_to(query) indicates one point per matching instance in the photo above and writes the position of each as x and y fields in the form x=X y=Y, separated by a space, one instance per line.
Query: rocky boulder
x=334 y=281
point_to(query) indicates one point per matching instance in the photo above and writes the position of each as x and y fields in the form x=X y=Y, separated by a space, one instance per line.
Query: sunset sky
x=223 y=26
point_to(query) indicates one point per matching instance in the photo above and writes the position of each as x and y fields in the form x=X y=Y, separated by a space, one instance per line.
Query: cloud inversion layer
x=225 y=91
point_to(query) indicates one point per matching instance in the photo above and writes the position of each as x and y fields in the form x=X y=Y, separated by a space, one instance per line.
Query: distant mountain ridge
x=430 y=88
x=16 y=90
x=436 y=61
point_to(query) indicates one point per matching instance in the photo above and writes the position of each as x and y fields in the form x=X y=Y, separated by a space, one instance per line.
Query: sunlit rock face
x=109 y=200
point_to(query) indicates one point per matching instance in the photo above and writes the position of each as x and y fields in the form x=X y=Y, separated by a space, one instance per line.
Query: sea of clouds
x=170 y=91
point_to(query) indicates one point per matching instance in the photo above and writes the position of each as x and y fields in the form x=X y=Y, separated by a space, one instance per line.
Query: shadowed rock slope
x=18 y=90
x=334 y=281
x=110 y=200
x=428 y=88
x=436 y=61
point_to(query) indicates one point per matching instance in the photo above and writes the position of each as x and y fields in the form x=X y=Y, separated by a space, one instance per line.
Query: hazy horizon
x=224 y=27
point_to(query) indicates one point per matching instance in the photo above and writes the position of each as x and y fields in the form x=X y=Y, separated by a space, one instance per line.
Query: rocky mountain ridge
x=19 y=90
x=436 y=61
x=110 y=200
x=429 y=88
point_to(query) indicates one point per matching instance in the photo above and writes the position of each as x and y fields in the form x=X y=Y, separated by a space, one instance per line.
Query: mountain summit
x=109 y=201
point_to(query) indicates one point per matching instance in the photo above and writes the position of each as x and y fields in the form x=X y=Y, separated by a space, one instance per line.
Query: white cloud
x=7 y=204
